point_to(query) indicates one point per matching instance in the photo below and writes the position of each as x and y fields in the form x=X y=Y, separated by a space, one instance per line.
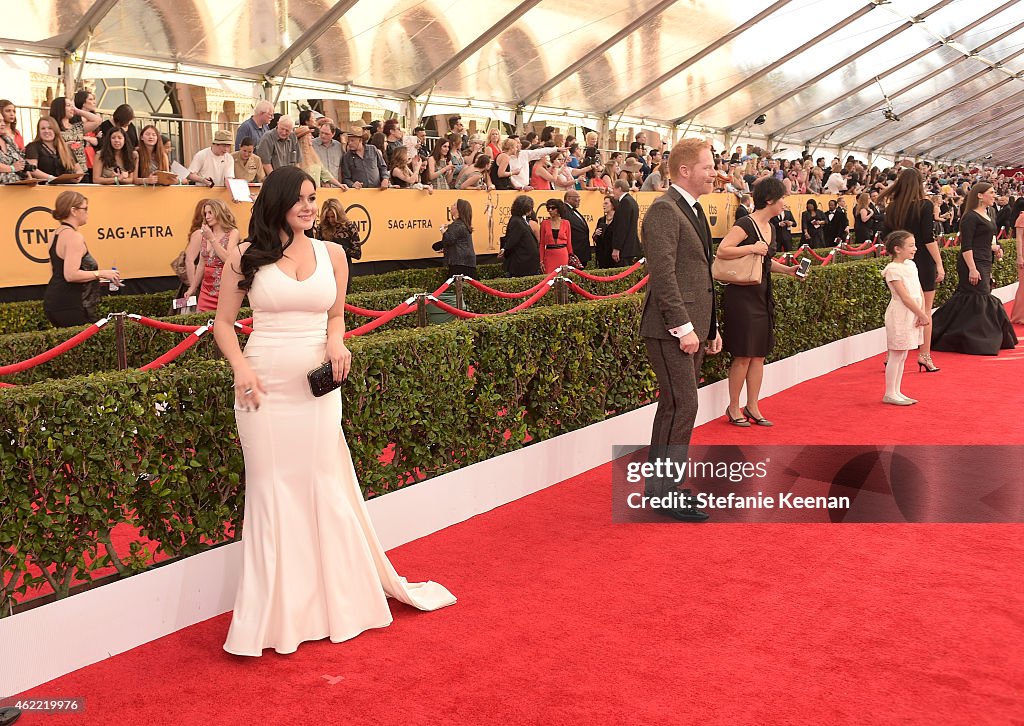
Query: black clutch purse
x=321 y=380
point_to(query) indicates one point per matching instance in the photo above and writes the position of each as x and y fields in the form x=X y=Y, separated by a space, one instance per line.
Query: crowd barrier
x=140 y=230
x=556 y=280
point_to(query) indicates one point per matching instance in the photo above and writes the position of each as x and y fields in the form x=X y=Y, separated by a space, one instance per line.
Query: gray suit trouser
x=678 y=375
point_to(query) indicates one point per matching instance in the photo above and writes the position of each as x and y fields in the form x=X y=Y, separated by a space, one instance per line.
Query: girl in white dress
x=312 y=566
x=905 y=318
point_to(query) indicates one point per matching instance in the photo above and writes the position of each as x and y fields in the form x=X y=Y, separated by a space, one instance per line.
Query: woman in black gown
x=973 y=321
x=811 y=225
x=749 y=310
x=908 y=209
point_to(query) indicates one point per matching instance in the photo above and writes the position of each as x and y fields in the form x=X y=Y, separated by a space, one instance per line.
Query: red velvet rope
x=814 y=254
x=387 y=317
x=176 y=351
x=509 y=295
x=466 y=314
x=612 y=278
x=363 y=311
x=855 y=253
x=49 y=355
x=161 y=325
x=591 y=296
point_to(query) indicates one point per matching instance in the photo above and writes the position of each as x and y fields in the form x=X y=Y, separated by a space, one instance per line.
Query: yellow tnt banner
x=142 y=229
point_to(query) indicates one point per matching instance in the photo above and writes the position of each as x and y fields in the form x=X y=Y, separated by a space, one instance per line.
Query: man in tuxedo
x=625 y=240
x=1005 y=217
x=679 y=321
x=784 y=224
x=744 y=209
x=579 y=226
x=836 y=223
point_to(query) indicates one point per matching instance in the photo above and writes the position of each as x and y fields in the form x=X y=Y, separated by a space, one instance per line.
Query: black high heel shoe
x=760 y=421
x=736 y=421
x=925 y=364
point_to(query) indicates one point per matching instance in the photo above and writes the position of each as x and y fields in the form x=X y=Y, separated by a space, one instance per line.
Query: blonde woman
x=49 y=153
x=310 y=162
x=493 y=146
x=218 y=237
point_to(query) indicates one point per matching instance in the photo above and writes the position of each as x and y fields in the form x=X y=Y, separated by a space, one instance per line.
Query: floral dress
x=8 y=157
x=74 y=137
x=209 y=291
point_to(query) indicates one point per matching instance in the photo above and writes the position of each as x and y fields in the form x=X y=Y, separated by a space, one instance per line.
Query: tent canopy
x=951 y=71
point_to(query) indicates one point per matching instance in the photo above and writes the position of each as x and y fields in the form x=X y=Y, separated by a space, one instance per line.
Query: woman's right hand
x=18 y=165
x=974 y=277
x=248 y=388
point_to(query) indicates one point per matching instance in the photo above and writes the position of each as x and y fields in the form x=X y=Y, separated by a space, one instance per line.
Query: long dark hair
x=108 y=154
x=59 y=111
x=280 y=192
x=904 y=196
x=465 y=210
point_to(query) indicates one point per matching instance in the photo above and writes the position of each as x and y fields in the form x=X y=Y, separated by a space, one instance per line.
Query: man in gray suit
x=679 y=321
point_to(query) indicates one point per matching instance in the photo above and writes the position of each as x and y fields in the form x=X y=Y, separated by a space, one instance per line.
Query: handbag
x=178 y=265
x=746 y=270
x=321 y=380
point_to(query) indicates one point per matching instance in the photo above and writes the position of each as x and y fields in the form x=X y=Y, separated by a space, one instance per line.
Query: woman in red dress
x=219 y=237
x=555 y=237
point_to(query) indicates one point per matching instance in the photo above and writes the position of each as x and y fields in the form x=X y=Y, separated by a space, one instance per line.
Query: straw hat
x=632 y=165
x=222 y=137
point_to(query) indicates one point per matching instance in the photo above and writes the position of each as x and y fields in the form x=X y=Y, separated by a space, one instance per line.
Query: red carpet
x=566 y=618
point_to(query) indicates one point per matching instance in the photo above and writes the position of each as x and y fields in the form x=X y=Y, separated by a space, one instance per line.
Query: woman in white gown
x=312 y=566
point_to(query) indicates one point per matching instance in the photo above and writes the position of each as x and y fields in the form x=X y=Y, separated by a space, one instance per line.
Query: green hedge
x=72 y=451
x=419 y=403
x=143 y=344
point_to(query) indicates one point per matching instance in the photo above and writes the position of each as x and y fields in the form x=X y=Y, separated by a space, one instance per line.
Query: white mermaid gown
x=312 y=566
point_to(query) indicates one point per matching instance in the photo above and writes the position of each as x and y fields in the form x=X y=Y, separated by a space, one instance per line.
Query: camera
x=30 y=167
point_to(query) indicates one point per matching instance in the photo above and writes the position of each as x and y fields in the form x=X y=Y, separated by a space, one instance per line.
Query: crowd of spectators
x=73 y=142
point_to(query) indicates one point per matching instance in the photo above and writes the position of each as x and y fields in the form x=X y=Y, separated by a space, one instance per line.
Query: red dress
x=555 y=245
x=209 y=291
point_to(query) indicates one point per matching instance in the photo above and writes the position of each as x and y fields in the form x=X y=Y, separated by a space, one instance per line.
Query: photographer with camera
x=12 y=162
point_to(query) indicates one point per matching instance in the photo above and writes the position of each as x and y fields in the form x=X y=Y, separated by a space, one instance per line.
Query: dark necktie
x=702 y=225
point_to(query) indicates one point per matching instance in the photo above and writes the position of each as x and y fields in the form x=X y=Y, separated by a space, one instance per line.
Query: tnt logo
x=34 y=231
x=358 y=215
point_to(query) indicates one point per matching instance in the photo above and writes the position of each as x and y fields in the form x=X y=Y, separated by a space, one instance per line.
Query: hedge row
x=143 y=344
x=418 y=403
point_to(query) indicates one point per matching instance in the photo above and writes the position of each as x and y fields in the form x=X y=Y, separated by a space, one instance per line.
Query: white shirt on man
x=210 y=166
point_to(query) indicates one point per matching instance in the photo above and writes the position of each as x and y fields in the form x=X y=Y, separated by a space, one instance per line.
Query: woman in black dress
x=811 y=223
x=973 y=321
x=519 y=247
x=603 y=235
x=73 y=291
x=749 y=310
x=909 y=210
x=864 y=219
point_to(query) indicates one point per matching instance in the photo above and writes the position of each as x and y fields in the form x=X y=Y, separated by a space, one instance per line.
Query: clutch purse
x=321 y=380
x=743 y=271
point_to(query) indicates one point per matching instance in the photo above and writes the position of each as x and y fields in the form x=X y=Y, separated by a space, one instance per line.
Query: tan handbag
x=746 y=270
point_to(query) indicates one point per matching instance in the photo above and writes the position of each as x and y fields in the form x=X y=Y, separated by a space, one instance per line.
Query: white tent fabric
x=822 y=72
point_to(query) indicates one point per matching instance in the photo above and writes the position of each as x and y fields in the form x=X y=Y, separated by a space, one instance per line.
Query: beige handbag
x=746 y=270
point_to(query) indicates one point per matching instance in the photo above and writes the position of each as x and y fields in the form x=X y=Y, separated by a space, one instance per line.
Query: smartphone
x=181 y=302
x=805 y=265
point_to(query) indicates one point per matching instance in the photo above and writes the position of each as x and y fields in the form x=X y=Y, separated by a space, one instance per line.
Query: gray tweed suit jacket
x=678 y=260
